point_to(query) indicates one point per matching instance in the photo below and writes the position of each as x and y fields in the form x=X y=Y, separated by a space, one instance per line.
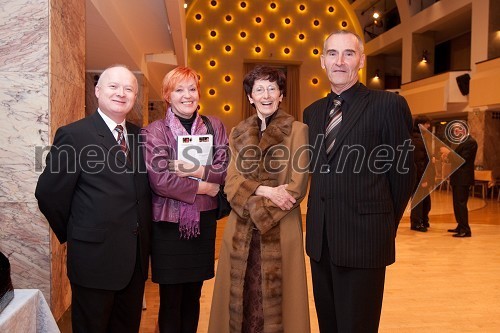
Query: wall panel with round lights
x=223 y=34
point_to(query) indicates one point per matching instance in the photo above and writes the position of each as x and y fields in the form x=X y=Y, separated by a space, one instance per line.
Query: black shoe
x=426 y=224
x=453 y=230
x=418 y=227
x=463 y=234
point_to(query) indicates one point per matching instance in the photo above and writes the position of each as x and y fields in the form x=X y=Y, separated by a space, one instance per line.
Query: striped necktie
x=334 y=120
x=121 y=138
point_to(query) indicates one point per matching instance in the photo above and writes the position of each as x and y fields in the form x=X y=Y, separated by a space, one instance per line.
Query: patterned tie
x=121 y=138
x=334 y=120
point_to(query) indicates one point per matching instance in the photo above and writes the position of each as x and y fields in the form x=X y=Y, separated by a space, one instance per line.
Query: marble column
x=39 y=91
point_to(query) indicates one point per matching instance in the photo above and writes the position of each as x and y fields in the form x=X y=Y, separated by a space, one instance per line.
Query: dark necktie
x=333 y=125
x=121 y=138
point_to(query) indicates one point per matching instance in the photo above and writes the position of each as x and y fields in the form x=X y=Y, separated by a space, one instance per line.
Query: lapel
x=318 y=124
x=106 y=139
x=350 y=118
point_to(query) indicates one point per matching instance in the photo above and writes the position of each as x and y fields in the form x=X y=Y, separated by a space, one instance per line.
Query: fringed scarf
x=187 y=215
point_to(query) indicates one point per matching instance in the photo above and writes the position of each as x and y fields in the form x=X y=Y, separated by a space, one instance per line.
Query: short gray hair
x=361 y=45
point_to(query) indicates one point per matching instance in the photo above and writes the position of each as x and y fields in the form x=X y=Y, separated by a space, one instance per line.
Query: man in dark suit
x=359 y=190
x=461 y=180
x=95 y=195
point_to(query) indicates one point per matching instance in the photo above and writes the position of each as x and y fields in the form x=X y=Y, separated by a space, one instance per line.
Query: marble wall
x=34 y=90
x=485 y=128
x=24 y=119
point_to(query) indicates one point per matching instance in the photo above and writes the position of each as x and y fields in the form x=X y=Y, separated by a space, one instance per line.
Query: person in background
x=261 y=279
x=184 y=203
x=419 y=216
x=461 y=179
x=96 y=199
x=359 y=189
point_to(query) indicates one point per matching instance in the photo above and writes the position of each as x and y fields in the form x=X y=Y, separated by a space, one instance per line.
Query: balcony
x=484 y=87
x=439 y=93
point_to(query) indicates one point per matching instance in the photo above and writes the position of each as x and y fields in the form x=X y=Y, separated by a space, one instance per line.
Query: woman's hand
x=210 y=189
x=278 y=195
x=186 y=169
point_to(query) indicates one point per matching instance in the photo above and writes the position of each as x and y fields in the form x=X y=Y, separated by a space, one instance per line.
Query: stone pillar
x=39 y=91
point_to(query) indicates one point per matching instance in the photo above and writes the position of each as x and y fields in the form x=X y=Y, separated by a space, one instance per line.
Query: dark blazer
x=355 y=196
x=98 y=201
x=465 y=174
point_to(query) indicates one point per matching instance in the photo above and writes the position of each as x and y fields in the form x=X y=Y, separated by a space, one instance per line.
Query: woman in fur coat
x=260 y=282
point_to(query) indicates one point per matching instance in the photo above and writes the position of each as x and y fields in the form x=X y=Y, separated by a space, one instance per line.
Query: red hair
x=174 y=77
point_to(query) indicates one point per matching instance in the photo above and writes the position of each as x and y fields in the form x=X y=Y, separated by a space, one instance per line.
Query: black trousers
x=179 y=307
x=347 y=300
x=460 y=198
x=108 y=311
x=420 y=213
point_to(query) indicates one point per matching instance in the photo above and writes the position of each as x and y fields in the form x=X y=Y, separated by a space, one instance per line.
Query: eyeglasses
x=260 y=90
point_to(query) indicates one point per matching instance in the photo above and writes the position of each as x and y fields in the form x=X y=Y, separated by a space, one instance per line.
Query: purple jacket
x=168 y=188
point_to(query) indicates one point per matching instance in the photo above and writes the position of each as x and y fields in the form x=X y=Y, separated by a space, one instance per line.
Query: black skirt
x=175 y=260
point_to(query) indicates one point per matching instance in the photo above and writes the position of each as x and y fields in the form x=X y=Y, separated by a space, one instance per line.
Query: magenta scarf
x=188 y=214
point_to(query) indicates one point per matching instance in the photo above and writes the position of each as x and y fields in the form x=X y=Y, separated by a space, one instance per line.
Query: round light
x=227 y=108
x=302 y=36
x=243 y=34
x=286 y=50
x=344 y=24
x=229 y=18
x=258 y=49
x=288 y=21
x=316 y=23
x=315 y=51
x=213 y=3
x=258 y=19
x=314 y=81
x=272 y=5
x=211 y=92
x=227 y=48
x=272 y=35
x=243 y=4
x=227 y=78
x=198 y=16
x=302 y=7
x=197 y=47
x=331 y=9
x=212 y=63
x=213 y=33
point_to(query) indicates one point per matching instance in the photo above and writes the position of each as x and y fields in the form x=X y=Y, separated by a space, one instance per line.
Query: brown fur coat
x=257 y=162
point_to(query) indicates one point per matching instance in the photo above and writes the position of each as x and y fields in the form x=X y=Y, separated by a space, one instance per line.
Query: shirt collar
x=111 y=123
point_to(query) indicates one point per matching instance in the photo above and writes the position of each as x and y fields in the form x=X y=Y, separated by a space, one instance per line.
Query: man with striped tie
x=95 y=195
x=360 y=186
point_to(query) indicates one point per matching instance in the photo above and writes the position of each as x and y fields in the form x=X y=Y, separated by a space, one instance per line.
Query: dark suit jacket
x=355 y=199
x=465 y=174
x=98 y=201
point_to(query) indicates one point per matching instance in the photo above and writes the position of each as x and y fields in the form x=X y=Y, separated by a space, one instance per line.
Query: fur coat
x=274 y=160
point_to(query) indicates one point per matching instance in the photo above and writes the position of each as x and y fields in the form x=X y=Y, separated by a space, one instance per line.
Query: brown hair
x=265 y=73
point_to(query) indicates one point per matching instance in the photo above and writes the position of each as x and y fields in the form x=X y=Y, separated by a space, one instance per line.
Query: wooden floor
x=438 y=283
